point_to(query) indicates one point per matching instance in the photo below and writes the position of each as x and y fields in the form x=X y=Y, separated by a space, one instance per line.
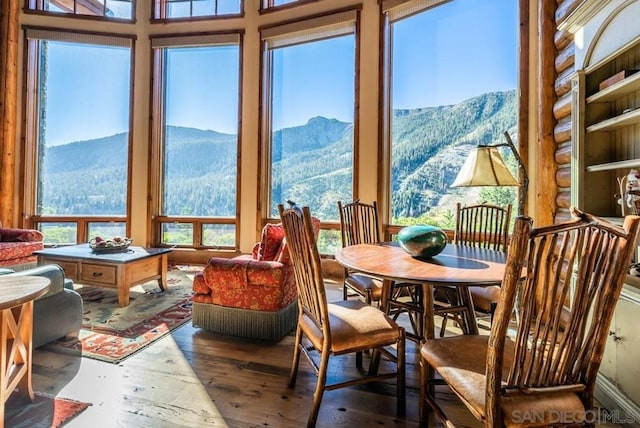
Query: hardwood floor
x=195 y=378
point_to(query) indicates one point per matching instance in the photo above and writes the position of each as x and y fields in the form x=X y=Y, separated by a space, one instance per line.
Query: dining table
x=457 y=265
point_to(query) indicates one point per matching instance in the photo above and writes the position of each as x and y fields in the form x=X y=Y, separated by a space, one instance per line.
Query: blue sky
x=466 y=48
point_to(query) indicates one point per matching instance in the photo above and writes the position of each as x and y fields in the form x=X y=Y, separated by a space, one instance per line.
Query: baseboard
x=627 y=412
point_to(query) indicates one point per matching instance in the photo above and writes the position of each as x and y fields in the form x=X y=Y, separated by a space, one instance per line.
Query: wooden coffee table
x=121 y=270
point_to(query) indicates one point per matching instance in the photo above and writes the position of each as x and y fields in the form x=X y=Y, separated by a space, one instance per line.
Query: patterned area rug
x=111 y=333
x=44 y=411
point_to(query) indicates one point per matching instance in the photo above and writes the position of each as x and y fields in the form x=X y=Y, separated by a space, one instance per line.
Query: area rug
x=44 y=411
x=111 y=333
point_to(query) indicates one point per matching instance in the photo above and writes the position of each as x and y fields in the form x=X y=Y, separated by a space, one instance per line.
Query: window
x=78 y=134
x=176 y=9
x=308 y=115
x=271 y=4
x=197 y=103
x=112 y=9
x=435 y=112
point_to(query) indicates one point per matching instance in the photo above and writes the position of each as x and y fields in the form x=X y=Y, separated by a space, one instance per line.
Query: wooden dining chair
x=326 y=330
x=568 y=277
x=359 y=224
x=484 y=226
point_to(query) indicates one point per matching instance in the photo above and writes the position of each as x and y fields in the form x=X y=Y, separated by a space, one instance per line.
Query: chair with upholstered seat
x=483 y=226
x=565 y=280
x=326 y=330
x=359 y=224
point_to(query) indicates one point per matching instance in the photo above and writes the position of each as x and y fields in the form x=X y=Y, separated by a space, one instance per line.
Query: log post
x=523 y=102
x=9 y=11
x=546 y=187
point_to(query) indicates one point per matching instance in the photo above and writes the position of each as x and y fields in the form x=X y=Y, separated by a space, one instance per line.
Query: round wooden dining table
x=457 y=265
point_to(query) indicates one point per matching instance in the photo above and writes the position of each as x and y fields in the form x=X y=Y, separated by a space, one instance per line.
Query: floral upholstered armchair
x=17 y=247
x=252 y=295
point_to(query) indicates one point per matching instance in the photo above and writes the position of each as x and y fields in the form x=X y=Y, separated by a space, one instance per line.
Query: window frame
x=37 y=7
x=30 y=126
x=301 y=27
x=159 y=13
x=267 y=6
x=395 y=10
x=157 y=158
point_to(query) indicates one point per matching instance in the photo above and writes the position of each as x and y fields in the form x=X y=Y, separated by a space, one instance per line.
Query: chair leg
x=469 y=323
x=320 y=386
x=492 y=312
x=293 y=374
x=401 y=369
x=443 y=328
x=424 y=409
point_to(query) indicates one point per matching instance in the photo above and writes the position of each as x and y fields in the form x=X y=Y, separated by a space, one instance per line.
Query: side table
x=16 y=329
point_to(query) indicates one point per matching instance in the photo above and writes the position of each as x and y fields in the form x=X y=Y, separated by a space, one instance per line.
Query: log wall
x=564 y=69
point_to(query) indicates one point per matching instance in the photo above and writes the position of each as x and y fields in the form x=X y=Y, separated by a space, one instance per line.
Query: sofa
x=253 y=295
x=17 y=247
x=58 y=313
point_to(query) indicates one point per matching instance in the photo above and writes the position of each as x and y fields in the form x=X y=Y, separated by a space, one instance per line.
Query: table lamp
x=485 y=167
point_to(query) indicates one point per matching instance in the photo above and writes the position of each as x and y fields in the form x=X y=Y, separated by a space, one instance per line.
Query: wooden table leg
x=124 y=288
x=164 y=266
x=428 y=331
x=16 y=348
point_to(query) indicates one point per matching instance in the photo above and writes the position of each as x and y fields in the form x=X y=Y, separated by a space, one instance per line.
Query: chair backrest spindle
x=483 y=225
x=359 y=223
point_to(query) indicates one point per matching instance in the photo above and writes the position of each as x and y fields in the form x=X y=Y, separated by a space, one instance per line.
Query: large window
x=309 y=111
x=308 y=115
x=196 y=139
x=110 y=9
x=78 y=136
x=451 y=84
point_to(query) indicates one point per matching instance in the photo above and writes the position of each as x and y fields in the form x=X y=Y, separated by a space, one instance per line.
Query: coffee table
x=121 y=270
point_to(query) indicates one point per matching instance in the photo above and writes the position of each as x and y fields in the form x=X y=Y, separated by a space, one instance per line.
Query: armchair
x=252 y=295
x=58 y=313
x=17 y=247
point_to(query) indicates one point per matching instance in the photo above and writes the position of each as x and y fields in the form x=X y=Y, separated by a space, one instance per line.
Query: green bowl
x=422 y=241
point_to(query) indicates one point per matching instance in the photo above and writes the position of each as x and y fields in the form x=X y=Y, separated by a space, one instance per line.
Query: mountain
x=311 y=163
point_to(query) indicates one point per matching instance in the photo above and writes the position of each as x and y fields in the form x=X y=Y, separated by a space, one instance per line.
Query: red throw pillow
x=272 y=236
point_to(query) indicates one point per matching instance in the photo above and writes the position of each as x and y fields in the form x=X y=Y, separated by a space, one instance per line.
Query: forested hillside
x=430 y=146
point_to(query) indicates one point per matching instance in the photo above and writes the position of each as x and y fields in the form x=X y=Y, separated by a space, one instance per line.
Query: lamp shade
x=484 y=167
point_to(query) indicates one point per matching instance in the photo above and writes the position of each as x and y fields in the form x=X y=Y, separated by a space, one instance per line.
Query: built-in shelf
x=616 y=122
x=624 y=87
x=610 y=166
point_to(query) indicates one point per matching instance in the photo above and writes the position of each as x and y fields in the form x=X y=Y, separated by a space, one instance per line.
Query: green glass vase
x=422 y=241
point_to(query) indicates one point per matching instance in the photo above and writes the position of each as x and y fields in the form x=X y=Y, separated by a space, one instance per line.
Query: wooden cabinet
x=618 y=385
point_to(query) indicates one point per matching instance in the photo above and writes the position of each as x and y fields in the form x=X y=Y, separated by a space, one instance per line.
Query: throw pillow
x=272 y=236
